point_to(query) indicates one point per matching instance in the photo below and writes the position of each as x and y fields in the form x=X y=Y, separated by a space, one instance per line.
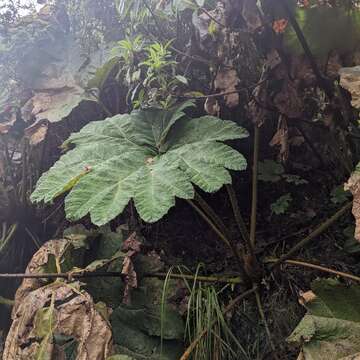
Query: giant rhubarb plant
x=149 y=155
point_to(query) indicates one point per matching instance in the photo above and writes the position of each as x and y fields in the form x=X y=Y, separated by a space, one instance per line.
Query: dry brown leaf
x=301 y=70
x=7 y=125
x=74 y=315
x=36 y=133
x=301 y=356
x=212 y=106
x=273 y=59
x=353 y=185
x=281 y=138
x=54 y=104
x=54 y=248
x=306 y=297
x=350 y=80
x=334 y=64
x=288 y=100
x=133 y=246
x=226 y=81
x=132 y=243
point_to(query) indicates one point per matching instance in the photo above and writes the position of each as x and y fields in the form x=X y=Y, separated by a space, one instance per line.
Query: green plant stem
x=104 y=108
x=239 y=219
x=320 y=229
x=8 y=237
x=222 y=236
x=220 y=279
x=320 y=268
x=229 y=307
x=254 y=186
x=266 y=325
x=211 y=213
x=6 y=302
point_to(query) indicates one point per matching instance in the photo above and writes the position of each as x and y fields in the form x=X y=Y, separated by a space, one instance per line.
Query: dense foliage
x=244 y=114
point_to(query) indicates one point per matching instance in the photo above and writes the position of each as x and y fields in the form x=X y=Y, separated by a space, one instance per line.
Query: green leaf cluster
x=151 y=156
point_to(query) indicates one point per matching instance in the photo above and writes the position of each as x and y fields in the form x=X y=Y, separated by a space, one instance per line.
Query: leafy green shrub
x=149 y=155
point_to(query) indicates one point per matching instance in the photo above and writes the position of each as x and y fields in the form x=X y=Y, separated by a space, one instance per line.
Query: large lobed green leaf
x=151 y=156
x=331 y=327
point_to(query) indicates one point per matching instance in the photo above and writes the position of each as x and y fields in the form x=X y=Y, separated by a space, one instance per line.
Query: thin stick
x=320 y=268
x=320 y=229
x=266 y=325
x=254 y=187
x=229 y=307
x=63 y=275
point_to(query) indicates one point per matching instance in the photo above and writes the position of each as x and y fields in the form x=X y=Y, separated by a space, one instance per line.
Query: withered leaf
x=212 y=106
x=133 y=246
x=52 y=248
x=74 y=315
x=350 y=80
x=281 y=138
x=36 y=133
x=353 y=185
x=226 y=81
x=288 y=100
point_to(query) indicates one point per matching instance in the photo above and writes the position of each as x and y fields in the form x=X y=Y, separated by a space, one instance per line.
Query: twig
x=320 y=268
x=63 y=275
x=229 y=307
x=254 y=187
x=320 y=229
x=325 y=85
x=266 y=325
